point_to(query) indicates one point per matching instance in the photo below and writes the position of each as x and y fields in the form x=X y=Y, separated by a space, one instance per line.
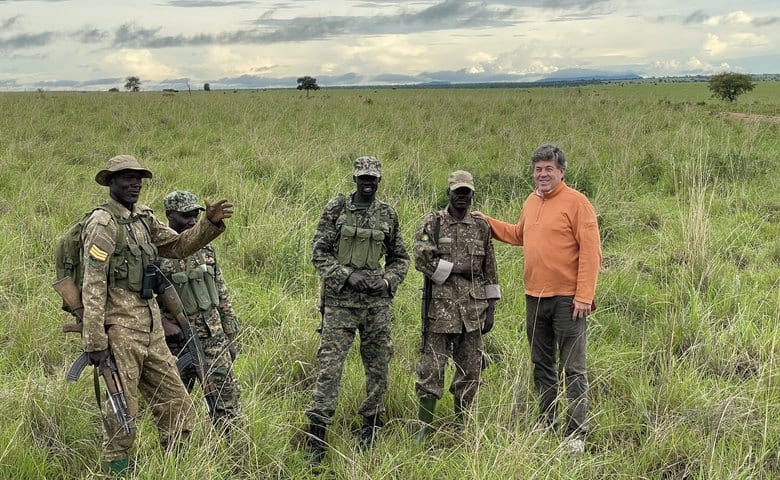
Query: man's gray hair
x=549 y=151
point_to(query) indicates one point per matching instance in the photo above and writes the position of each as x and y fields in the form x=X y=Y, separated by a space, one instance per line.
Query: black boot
x=371 y=425
x=315 y=443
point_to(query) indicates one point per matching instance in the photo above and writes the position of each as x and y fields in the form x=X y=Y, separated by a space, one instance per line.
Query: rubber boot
x=425 y=415
x=315 y=443
x=459 y=407
x=371 y=425
x=117 y=468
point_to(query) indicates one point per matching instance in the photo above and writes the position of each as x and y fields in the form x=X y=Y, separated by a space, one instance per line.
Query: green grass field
x=683 y=351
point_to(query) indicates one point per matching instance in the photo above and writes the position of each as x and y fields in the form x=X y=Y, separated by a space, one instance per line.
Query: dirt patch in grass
x=755 y=117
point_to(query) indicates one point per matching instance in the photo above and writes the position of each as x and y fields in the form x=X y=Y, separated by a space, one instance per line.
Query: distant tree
x=729 y=85
x=113 y=89
x=307 y=83
x=133 y=84
x=207 y=87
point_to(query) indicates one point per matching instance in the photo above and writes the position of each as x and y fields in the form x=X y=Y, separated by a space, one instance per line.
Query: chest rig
x=358 y=246
x=131 y=254
x=196 y=284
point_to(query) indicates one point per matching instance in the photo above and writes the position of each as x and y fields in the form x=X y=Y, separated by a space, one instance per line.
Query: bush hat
x=181 y=201
x=460 y=178
x=368 y=166
x=119 y=163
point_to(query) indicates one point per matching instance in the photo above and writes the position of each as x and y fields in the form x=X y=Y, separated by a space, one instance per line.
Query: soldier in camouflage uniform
x=115 y=315
x=353 y=234
x=199 y=283
x=454 y=250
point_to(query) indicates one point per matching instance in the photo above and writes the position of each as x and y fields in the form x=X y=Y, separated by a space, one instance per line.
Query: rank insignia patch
x=97 y=253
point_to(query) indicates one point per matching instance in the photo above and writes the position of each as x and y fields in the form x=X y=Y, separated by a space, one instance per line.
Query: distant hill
x=581 y=74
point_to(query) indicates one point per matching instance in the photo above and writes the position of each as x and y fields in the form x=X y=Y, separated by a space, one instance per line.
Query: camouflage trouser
x=146 y=366
x=376 y=349
x=219 y=370
x=466 y=351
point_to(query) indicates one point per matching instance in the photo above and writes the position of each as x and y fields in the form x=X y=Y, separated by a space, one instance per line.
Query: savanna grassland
x=684 y=350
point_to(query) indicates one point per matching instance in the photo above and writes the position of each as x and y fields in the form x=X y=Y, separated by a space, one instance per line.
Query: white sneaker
x=574 y=445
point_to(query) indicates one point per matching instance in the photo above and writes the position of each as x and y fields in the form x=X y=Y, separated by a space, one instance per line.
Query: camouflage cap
x=460 y=178
x=119 y=163
x=368 y=166
x=181 y=201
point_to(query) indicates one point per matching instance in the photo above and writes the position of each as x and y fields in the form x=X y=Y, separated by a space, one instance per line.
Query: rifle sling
x=96 y=383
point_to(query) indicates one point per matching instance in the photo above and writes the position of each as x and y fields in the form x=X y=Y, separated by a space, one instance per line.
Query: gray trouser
x=551 y=330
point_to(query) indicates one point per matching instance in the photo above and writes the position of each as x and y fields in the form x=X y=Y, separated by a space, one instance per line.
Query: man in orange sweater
x=560 y=236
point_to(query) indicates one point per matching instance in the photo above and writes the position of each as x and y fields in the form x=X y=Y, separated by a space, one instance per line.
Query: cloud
x=138 y=62
x=733 y=18
x=696 y=17
x=738 y=17
x=89 y=35
x=207 y=3
x=765 y=21
x=27 y=40
x=9 y=22
x=695 y=65
x=448 y=14
x=713 y=45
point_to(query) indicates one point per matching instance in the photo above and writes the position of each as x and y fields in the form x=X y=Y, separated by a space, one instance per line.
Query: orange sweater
x=560 y=236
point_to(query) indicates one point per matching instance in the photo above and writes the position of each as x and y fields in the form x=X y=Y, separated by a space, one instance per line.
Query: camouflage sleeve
x=230 y=323
x=492 y=288
x=427 y=256
x=173 y=245
x=396 y=257
x=99 y=241
x=324 y=247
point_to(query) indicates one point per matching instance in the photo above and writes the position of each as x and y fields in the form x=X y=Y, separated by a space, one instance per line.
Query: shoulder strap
x=437 y=227
x=121 y=232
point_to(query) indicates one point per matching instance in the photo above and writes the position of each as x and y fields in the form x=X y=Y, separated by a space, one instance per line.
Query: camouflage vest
x=359 y=247
x=196 y=285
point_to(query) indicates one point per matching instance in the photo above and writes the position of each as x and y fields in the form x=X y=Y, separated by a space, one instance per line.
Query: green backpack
x=69 y=249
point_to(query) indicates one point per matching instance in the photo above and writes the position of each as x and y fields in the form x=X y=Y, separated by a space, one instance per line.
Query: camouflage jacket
x=457 y=303
x=220 y=320
x=103 y=305
x=336 y=289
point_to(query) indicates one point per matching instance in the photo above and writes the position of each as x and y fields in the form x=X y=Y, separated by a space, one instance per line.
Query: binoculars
x=154 y=282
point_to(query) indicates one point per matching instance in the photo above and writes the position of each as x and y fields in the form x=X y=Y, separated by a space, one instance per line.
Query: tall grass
x=683 y=350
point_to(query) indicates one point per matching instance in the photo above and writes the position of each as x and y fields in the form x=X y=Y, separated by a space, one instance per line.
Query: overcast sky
x=96 y=44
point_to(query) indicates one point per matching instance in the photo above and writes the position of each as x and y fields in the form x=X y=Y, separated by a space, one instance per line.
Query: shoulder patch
x=97 y=253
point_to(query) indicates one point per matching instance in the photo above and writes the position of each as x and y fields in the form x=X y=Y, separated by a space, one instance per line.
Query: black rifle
x=427 y=291
x=170 y=300
x=71 y=294
x=114 y=390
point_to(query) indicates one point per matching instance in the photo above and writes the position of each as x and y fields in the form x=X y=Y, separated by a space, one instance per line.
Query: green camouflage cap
x=119 y=163
x=181 y=201
x=368 y=166
x=460 y=178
